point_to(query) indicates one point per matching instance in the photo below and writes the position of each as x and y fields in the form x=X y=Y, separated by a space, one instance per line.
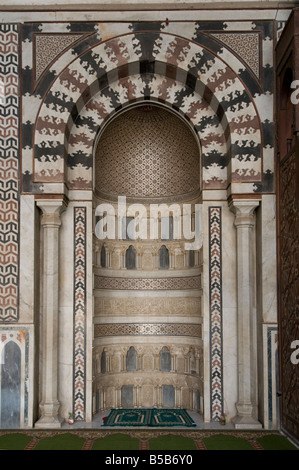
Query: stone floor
x=97 y=423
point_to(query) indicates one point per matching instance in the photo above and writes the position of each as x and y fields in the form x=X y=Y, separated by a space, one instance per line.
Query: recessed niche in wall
x=168 y=396
x=131 y=360
x=165 y=360
x=163 y=257
x=147 y=152
x=127 y=396
x=131 y=258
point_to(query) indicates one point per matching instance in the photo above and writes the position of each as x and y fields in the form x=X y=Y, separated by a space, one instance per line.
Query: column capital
x=244 y=211
x=51 y=210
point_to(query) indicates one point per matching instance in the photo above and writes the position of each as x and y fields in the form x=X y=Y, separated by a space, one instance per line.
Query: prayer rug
x=149 y=417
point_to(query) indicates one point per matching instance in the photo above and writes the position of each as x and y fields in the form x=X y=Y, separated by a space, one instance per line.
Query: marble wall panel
x=16 y=376
x=10 y=386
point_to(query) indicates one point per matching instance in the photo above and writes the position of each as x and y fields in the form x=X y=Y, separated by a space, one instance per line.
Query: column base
x=49 y=416
x=47 y=422
x=246 y=422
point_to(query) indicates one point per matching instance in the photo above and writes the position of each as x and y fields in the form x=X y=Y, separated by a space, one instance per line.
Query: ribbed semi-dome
x=147 y=153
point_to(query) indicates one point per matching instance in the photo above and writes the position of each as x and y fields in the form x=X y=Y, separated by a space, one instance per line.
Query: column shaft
x=51 y=222
x=244 y=223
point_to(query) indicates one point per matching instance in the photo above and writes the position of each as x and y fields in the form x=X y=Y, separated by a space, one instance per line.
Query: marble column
x=51 y=222
x=247 y=393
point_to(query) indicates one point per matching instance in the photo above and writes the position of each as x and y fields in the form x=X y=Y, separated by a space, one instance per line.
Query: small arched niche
x=131 y=360
x=165 y=360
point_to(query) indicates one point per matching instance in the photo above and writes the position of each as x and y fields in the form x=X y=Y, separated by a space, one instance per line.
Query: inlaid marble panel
x=9 y=172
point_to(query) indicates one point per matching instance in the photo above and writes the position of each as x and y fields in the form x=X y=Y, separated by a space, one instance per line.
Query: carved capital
x=51 y=211
x=244 y=211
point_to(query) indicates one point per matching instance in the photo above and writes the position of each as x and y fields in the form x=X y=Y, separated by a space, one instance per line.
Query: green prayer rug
x=148 y=417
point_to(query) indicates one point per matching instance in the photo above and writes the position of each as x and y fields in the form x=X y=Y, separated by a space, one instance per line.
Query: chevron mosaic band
x=9 y=171
x=215 y=313
x=79 y=311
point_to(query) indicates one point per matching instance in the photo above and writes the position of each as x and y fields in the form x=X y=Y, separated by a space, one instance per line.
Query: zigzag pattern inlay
x=79 y=311
x=215 y=313
x=9 y=171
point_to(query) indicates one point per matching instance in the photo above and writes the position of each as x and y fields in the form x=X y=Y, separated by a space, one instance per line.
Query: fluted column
x=51 y=222
x=244 y=223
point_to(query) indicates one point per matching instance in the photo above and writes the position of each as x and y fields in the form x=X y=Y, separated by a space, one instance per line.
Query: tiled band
x=216 y=379
x=79 y=311
x=9 y=172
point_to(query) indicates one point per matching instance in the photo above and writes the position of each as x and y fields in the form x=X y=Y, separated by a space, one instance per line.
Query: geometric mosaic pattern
x=48 y=46
x=9 y=171
x=246 y=45
x=155 y=329
x=147 y=152
x=215 y=313
x=171 y=283
x=79 y=311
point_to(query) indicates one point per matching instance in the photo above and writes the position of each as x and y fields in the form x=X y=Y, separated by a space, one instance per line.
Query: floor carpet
x=138 y=439
x=149 y=417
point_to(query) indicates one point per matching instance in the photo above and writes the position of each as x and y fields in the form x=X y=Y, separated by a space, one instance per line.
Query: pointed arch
x=180 y=73
x=131 y=258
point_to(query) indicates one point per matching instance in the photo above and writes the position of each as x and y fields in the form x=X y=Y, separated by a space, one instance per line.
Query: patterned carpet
x=142 y=439
x=149 y=417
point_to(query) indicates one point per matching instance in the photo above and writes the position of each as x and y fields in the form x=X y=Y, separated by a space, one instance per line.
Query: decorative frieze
x=152 y=306
x=171 y=283
x=148 y=329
